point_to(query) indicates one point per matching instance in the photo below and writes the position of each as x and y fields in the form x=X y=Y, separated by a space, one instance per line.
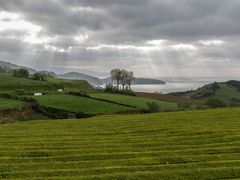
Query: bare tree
x=130 y=79
x=124 y=78
x=116 y=75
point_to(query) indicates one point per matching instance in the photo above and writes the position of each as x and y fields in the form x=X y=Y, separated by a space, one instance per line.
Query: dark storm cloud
x=117 y=32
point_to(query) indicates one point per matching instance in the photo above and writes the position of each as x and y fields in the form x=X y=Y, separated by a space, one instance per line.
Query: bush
x=153 y=106
x=215 y=103
x=235 y=100
x=184 y=106
x=111 y=89
x=82 y=94
x=39 y=76
x=20 y=92
x=9 y=95
x=24 y=73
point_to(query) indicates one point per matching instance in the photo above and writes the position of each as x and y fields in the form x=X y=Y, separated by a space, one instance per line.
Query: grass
x=80 y=104
x=226 y=93
x=10 y=104
x=10 y=83
x=167 y=97
x=180 y=145
x=139 y=102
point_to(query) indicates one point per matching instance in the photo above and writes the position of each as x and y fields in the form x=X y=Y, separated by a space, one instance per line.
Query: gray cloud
x=97 y=35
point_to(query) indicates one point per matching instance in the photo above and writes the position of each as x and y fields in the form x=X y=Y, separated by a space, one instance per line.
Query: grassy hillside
x=10 y=83
x=166 y=97
x=228 y=92
x=139 y=102
x=80 y=104
x=180 y=145
x=75 y=75
x=10 y=104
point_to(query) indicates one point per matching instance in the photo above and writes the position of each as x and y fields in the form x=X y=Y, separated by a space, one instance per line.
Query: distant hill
x=228 y=92
x=10 y=83
x=49 y=73
x=9 y=65
x=148 y=81
x=138 y=81
x=80 y=76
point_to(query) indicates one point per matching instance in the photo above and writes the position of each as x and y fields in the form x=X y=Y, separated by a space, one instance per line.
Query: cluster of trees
x=5 y=70
x=122 y=77
x=24 y=73
x=40 y=76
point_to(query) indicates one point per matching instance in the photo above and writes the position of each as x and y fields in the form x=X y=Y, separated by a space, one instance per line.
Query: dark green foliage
x=153 y=106
x=20 y=92
x=8 y=95
x=81 y=94
x=55 y=113
x=113 y=89
x=23 y=73
x=215 y=103
x=235 y=84
x=208 y=91
x=40 y=76
x=236 y=100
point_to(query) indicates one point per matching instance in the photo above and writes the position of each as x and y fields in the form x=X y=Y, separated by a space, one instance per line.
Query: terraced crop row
x=180 y=145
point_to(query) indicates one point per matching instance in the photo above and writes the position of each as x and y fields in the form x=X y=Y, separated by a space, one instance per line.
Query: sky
x=153 y=38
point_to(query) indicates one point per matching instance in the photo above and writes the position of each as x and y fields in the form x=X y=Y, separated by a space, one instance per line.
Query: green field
x=10 y=104
x=80 y=104
x=225 y=92
x=179 y=145
x=10 y=83
x=139 y=102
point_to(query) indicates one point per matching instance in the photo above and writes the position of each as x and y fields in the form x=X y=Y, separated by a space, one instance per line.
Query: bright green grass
x=80 y=104
x=10 y=104
x=139 y=102
x=179 y=145
x=10 y=83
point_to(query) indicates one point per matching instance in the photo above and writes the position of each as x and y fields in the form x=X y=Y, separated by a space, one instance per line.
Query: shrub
x=20 y=92
x=235 y=100
x=153 y=106
x=215 y=103
x=40 y=76
x=112 y=89
x=82 y=94
x=24 y=73
x=184 y=106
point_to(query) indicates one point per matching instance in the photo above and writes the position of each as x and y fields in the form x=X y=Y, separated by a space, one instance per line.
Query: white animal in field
x=37 y=94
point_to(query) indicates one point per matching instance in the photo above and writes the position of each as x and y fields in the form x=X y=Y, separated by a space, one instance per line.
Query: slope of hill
x=228 y=92
x=80 y=76
x=181 y=145
x=138 y=81
x=9 y=65
x=10 y=83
